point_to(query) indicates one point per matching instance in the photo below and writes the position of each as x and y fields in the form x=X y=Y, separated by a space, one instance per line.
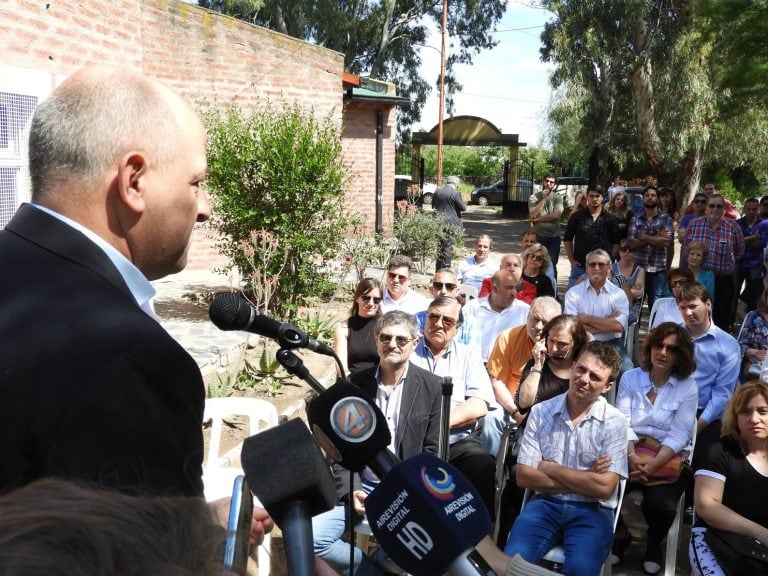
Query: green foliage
x=418 y=234
x=279 y=172
x=317 y=325
x=268 y=373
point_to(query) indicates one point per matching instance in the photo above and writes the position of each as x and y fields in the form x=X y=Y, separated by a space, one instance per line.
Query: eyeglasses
x=448 y=322
x=393 y=276
x=597 y=264
x=399 y=340
x=447 y=285
x=374 y=299
x=671 y=348
x=626 y=249
x=703 y=201
x=715 y=206
x=537 y=257
x=678 y=282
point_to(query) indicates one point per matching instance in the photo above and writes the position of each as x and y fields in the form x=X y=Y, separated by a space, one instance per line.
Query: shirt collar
x=137 y=283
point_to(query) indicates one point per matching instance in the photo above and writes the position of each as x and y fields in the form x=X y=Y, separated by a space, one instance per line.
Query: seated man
x=600 y=305
x=444 y=283
x=398 y=295
x=440 y=352
x=525 y=290
x=474 y=269
x=410 y=400
x=574 y=452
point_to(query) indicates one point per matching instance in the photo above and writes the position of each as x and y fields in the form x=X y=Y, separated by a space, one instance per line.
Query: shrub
x=418 y=234
x=280 y=172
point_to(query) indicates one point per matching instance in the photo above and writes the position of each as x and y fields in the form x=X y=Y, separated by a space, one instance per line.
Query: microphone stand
x=295 y=366
x=445 y=417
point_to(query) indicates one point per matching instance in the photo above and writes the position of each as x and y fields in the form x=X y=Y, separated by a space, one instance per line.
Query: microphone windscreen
x=283 y=464
x=425 y=514
x=230 y=311
x=348 y=425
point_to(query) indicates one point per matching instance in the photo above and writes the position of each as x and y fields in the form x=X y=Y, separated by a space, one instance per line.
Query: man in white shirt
x=397 y=293
x=479 y=266
x=600 y=305
x=498 y=311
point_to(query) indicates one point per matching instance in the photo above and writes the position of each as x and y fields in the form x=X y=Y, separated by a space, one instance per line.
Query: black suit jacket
x=92 y=388
x=419 y=421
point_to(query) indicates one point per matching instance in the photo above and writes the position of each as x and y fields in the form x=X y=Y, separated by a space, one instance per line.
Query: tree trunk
x=688 y=177
x=642 y=91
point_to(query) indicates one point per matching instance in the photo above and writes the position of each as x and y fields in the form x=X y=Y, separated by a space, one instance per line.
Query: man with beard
x=650 y=232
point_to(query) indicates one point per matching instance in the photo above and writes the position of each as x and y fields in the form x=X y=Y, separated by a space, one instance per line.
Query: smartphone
x=237 y=545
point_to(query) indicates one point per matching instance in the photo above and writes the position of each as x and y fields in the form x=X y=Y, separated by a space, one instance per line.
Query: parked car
x=495 y=193
x=427 y=192
x=403 y=182
x=568 y=186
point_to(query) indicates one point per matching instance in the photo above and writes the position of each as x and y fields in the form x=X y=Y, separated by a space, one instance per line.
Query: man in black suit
x=93 y=387
x=409 y=397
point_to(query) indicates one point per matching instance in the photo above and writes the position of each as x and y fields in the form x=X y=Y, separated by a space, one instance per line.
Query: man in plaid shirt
x=650 y=232
x=726 y=243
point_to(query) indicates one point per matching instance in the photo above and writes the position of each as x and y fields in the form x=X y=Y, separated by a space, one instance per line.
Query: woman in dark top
x=353 y=338
x=547 y=374
x=536 y=262
x=731 y=490
x=619 y=207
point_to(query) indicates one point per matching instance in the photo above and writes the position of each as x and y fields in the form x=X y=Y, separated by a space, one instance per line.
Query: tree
x=380 y=38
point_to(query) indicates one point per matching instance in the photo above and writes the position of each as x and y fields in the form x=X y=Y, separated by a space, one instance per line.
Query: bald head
x=94 y=117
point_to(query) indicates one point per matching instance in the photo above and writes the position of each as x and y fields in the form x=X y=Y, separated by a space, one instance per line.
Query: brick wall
x=206 y=57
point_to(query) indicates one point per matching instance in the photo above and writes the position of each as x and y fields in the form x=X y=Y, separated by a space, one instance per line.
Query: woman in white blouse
x=659 y=400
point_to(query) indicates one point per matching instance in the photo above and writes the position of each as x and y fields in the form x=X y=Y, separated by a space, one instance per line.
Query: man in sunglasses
x=650 y=232
x=697 y=208
x=444 y=283
x=409 y=397
x=440 y=352
x=545 y=208
x=397 y=293
x=726 y=244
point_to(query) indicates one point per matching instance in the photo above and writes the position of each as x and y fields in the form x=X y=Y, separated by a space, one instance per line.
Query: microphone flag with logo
x=425 y=514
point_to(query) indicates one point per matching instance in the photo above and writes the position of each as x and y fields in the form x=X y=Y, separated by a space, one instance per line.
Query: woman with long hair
x=547 y=374
x=731 y=490
x=634 y=275
x=619 y=207
x=353 y=339
x=659 y=401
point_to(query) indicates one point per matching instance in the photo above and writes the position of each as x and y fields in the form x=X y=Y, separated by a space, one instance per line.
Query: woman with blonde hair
x=536 y=262
x=731 y=491
x=619 y=207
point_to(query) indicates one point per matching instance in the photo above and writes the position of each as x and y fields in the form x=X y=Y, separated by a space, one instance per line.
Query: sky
x=508 y=86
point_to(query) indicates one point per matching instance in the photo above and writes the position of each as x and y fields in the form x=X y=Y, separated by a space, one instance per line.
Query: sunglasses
x=393 y=276
x=374 y=299
x=536 y=257
x=399 y=340
x=672 y=349
x=597 y=264
x=448 y=322
x=626 y=249
x=447 y=285
x=715 y=206
x=700 y=201
x=677 y=282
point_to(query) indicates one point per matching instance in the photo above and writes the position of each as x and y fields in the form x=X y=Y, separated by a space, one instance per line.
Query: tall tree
x=382 y=38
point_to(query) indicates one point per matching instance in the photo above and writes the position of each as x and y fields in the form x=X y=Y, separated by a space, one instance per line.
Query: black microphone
x=287 y=472
x=231 y=311
x=428 y=518
x=351 y=429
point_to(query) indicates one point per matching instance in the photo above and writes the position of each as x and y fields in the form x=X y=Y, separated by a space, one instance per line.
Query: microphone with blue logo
x=428 y=518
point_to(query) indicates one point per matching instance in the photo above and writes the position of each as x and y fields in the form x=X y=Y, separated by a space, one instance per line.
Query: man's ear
x=608 y=386
x=132 y=180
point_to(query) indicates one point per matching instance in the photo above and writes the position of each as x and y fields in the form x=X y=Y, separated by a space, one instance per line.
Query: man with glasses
x=726 y=244
x=545 y=208
x=650 y=232
x=397 y=294
x=480 y=265
x=444 y=283
x=512 y=349
x=442 y=354
x=409 y=397
x=601 y=306
x=588 y=230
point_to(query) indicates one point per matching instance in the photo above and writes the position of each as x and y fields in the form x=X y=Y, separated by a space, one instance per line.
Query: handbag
x=646 y=449
x=737 y=554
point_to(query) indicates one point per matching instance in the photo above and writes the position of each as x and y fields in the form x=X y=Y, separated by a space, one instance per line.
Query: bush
x=279 y=172
x=418 y=234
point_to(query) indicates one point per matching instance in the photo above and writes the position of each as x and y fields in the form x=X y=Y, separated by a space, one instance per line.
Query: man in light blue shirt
x=718 y=357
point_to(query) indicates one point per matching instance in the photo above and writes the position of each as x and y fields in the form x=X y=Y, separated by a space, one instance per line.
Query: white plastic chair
x=468 y=291
x=220 y=470
x=556 y=554
x=655 y=308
